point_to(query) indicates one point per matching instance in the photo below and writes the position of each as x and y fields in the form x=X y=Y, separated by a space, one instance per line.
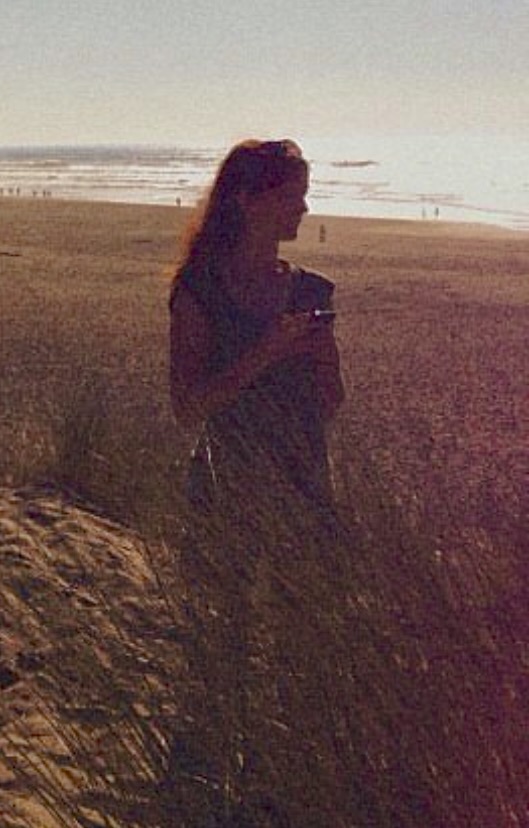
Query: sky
x=214 y=71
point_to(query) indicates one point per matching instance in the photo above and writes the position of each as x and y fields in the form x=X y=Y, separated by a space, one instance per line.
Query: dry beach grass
x=399 y=695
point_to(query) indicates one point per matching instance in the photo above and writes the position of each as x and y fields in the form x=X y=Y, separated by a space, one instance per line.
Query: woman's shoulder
x=311 y=288
x=192 y=283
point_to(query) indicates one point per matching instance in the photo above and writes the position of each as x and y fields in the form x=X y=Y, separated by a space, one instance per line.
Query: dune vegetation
x=381 y=681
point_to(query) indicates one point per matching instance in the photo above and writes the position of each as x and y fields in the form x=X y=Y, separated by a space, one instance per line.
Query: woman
x=249 y=358
x=253 y=364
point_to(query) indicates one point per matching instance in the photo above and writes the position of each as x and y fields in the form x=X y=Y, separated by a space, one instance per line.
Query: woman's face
x=277 y=213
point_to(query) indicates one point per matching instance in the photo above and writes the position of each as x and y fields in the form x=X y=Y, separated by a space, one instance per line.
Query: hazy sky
x=195 y=71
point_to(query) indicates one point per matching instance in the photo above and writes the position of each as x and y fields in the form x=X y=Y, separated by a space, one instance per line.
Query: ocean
x=456 y=177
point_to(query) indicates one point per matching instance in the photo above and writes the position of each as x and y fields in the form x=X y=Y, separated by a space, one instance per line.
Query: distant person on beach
x=253 y=353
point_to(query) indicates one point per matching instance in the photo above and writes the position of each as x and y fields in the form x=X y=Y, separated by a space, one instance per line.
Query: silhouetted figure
x=249 y=358
x=323 y=234
x=258 y=370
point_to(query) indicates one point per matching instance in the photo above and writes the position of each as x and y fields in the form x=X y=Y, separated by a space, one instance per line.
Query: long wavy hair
x=217 y=226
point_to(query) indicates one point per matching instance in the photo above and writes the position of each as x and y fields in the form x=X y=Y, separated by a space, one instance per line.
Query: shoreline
x=400 y=184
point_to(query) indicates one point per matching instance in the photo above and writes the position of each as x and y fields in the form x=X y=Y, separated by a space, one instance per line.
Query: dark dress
x=260 y=466
x=259 y=506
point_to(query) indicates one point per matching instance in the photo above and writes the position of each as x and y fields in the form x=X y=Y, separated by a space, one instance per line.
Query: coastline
x=399 y=182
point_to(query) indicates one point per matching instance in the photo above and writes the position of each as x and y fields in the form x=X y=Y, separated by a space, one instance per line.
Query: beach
x=431 y=318
x=429 y=457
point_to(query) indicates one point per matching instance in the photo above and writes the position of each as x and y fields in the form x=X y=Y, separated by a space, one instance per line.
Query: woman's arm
x=190 y=343
x=194 y=394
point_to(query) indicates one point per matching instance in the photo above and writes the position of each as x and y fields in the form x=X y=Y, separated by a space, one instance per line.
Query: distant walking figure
x=323 y=234
x=251 y=359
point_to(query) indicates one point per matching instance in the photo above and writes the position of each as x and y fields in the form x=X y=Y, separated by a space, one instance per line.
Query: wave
x=159 y=175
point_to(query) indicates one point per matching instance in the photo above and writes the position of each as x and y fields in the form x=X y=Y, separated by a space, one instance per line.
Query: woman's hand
x=301 y=333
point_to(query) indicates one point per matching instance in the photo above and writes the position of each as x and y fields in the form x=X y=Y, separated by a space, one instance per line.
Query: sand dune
x=430 y=459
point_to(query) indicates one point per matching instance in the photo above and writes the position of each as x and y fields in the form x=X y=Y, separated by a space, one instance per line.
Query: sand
x=432 y=326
